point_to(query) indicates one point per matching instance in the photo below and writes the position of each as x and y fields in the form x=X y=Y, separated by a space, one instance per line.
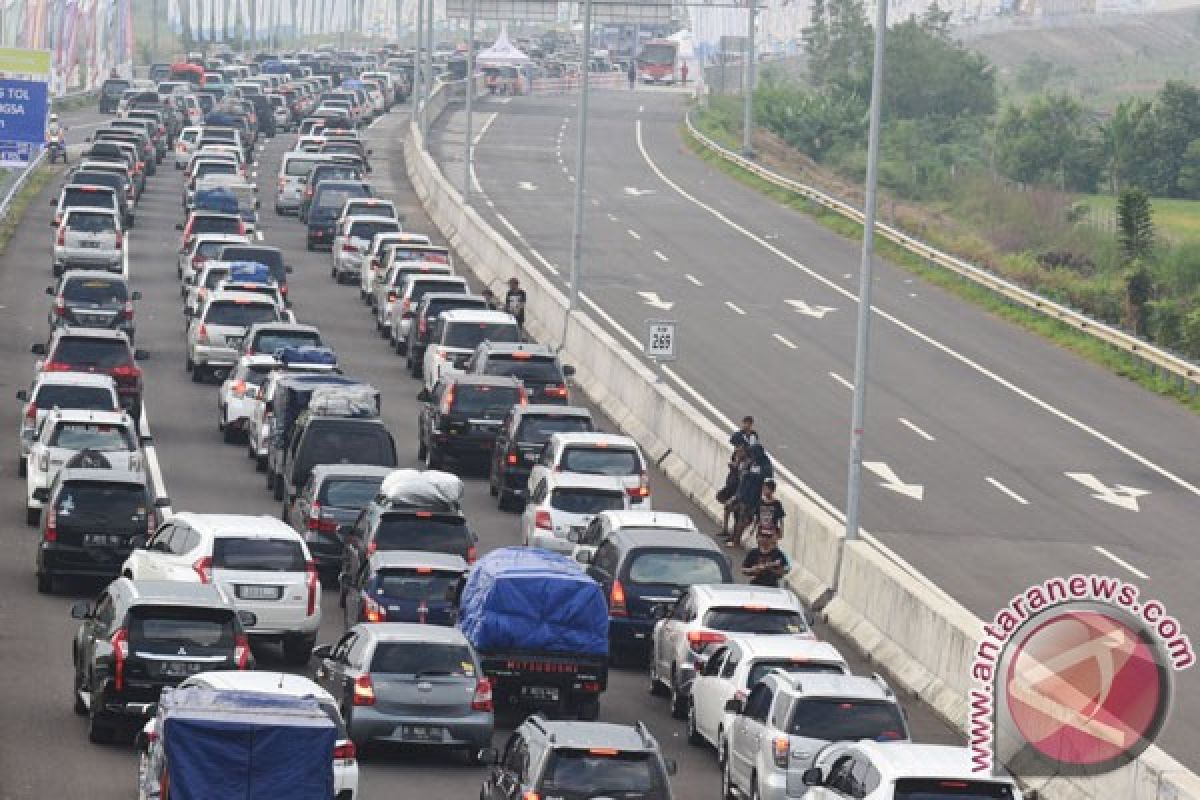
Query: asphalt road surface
x=46 y=753
x=994 y=459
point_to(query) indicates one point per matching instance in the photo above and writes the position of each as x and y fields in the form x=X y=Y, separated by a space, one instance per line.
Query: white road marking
x=734 y=308
x=564 y=169
x=254 y=173
x=1119 y=495
x=504 y=221
x=1121 y=562
x=527 y=186
x=892 y=481
x=570 y=179
x=503 y=100
x=916 y=430
x=783 y=341
x=633 y=233
x=612 y=217
x=924 y=337
x=641 y=109
x=660 y=256
x=652 y=299
x=553 y=269
x=258 y=235
x=842 y=381
x=633 y=191
x=1007 y=490
x=484 y=128
x=802 y=307
x=152 y=465
x=693 y=279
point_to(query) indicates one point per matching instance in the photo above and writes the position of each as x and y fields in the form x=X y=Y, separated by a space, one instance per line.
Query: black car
x=88 y=298
x=519 y=444
x=405 y=586
x=74 y=349
x=536 y=366
x=318 y=438
x=325 y=207
x=331 y=500
x=336 y=170
x=117 y=181
x=92 y=520
x=432 y=304
x=462 y=416
x=138 y=638
x=110 y=94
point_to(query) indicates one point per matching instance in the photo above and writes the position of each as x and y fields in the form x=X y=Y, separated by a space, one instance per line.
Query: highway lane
x=973 y=423
x=46 y=753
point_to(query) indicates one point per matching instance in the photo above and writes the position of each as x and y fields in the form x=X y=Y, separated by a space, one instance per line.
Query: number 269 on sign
x=660 y=339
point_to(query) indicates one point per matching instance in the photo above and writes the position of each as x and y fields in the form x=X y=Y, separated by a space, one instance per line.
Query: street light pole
x=418 y=66
x=748 y=80
x=468 y=145
x=429 y=68
x=580 y=163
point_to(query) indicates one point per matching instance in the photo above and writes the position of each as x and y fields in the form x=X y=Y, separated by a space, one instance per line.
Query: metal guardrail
x=20 y=182
x=1185 y=371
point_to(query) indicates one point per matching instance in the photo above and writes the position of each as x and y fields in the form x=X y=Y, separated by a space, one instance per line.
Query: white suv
x=606 y=522
x=596 y=454
x=260 y=562
x=898 y=770
x=215 y=332
x=565 y=503
x=352 y=240
x=61 y=390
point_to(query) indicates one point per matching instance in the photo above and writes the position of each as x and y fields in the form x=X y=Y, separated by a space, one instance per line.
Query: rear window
x=210 y=249
x=408 y=254
x=98 y=178
x=587 y=773
x=91 y=436
x=470 y=399
x=262 y=555
x=215 y=168
x=217 y=225
x=792 y=667
x=114 y=88
x=117 y=502
x=924 y=789
x=348 y=492
x=468 y=335
x=101 y=291
x=368 y=230
x=270 y=342
x=538 y=430
x=675 y=568
x=102 y=353
x=435 y=308
x=537 y=370
x=432 y=534
x=601 y=461
x=86 y=398
x=93 y=223
x=338 y=173
x=242 y=315
x=755 y=620
x=348 y=443
x=334 y=199
x=214 y=276
x=165 y=630
x=586 y=501
x=87 y=198
x=189 y=135
x=416 y=584
x=846 y=720
x=411 y=658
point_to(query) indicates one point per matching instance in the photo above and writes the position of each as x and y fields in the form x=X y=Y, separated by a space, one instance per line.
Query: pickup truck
x=540 y=627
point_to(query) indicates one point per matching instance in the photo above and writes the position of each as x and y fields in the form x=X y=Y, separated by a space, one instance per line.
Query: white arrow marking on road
x=527 y=186
x=812 y=311
x=652 y=299
x=1118 y=494
x=635 y=192
x=893 y=482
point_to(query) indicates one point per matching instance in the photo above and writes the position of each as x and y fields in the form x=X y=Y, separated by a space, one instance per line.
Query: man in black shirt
x=766 y=564
x=770 y=511
x=514 y=301
x=745 y=436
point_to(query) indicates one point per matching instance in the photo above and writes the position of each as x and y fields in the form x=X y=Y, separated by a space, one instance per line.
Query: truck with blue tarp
x=236 y=745
x=540 y=627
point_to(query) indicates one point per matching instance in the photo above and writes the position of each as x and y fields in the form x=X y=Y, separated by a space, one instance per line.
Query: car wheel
x=493 y=490
x=189 y=365
x=298 y=650
x=657 y=687
x=422 y=450
x=229 y=435
x=270 y=480
x=679 y=700
x=99 y=729
x=80 y=707
x=433 y=459
x=727 y=790
x=693 y=733
x=32 y=516
x=22 y=467
x=277 y=493
x=754 y=793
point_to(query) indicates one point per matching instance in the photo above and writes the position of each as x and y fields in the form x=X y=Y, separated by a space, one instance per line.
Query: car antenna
x=281 y=674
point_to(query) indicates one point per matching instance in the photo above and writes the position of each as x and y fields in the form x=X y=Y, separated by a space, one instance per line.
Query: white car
x=596 y=454
x=900 y=770
x=62 y=390
x=732 y=669
x=204 y=247
x=201 y=282
x=607 y=522
x=456 y=333
x=565 y=503
x=345 y=757
x=372 y=268
x=62 y=435
x=185 y=145
x=215 y=332
x=258 y=424
x=351 y=240
x=235 y=398
x=703 y=616
x=260 y=562
x=386 y=294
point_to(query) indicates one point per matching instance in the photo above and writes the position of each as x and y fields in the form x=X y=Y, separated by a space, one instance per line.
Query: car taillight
x=422 y=326
x=349 y=248
x=313 y=584
x=482 y=699
x=282 y=184
x=364 y=691
x=241 y=651
x=203 y=568
x=60 y=306
x=241 y=228
x=120 y=240
x=699 y=640
x=616 y=601
x=346 y=751
x=372 y=611
x=31 y=416
x=405 y=308
x=51 y=532
x=531 y=796
x=127 y=371
x=62 y=237
x=556 y=391
x=512 y=457
x=472 y=554
x=522 y=397
x=120 y=646
x=638 y=491
x=198 y=262
x=202 y=333
x=779 y=750
x=56 y=366
x=128 y=312
x=542 y=520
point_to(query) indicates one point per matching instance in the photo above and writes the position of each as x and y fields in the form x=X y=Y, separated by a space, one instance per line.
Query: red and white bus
x=658 y=62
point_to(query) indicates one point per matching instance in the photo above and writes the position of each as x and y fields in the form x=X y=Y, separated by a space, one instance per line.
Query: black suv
x=137 y=638
x=546 y=758
x=110 y=94
x=519 y=442
x=535 y=365
x=432 y=304
x=462 y=415
x=92 y=299
x=319 y=438
x=74 y=349
x=92 y=521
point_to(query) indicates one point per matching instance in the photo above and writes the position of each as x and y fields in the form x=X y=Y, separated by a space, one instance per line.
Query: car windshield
x=842 y=720
x=930 y=789
x=538 y=430
x=208 y=224
x=586 y=501
x=348 y=492
x=601 y=461
x=114 y=501
x=430 y=534
x=167 y=629
x=95 y=291
x=676 y=568
x=424 y=658
x=241 y=315
x=84 y=398
x=93 y=223
x=416 y=584
x=591 y=773
x=270 y=342
x=468 y=335
x=795 y=666
x=472 y=399
x=755 y=620
x=103 y=353
x=91 y=436
x=535 y=370
x=368 y=230
x=262 y=555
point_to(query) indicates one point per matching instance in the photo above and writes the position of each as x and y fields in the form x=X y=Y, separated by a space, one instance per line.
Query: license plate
x=102 y=540
x=421 y=733
x=258 y=592
x=543 y=693
x=93 y=245
x=234 y=341
x=577 y=530
x=178 y=669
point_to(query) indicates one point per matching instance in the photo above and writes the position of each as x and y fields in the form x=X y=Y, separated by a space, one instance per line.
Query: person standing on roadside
x=727 y=495
x=749 y=494
x=766 y=564
x=683 y=71
x=489 y=297
x=770 y=511
x=745 y=436
x=632 y=74
x=514 y=301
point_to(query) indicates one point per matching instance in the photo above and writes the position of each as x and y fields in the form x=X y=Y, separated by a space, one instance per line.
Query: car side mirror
x=81 y=610
x=671 y=765
x=812 y=777
x=23 y=395
x=136 y=295
x=323 y=651
x=423 y=396
x=248 y=618
x=141 y=355
x=289 y=269
x=178 y=226
x=583 y=557
x=568 y=371
x=488 y=756
x=38 y=349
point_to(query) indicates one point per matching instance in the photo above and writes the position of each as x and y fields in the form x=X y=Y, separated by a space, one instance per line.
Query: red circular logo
x=1086 y=689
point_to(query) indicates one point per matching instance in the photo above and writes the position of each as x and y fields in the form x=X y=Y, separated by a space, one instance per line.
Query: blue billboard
x=23 y=108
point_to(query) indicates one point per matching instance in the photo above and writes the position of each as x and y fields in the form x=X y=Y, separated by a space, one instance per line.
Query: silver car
x=90 y=238
x=293 y=177
x=409 y=683
x=215 y=333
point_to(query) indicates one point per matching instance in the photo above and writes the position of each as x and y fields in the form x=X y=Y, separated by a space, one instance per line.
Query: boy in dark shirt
x=514 y=301
x=770 y=511
x=766 y=564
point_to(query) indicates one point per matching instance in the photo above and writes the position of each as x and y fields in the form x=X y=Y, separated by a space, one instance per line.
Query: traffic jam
x=373 y=618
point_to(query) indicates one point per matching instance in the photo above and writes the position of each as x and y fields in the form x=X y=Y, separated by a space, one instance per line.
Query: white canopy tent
x=502 y=53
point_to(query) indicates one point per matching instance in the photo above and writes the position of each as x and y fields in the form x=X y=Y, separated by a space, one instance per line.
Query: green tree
x=1189 y=171
x=1177 y=118
x=930 y=75
x=839 y=46
x=1139 y=288
x=1122 y=141
x=1135 y=225
x=1051 y=141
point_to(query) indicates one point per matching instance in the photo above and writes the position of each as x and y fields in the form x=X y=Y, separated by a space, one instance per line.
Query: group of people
x=751 y=505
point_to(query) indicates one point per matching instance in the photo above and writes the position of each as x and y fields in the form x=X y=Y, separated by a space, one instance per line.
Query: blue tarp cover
x=527 y=599
x=221 y=200
x=249 y=272
x=237 y=745
x=307 y=354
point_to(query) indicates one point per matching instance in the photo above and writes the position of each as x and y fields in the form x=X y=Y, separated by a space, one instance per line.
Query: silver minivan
x=215 y=334
x=293 y=177
x=90 y=238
